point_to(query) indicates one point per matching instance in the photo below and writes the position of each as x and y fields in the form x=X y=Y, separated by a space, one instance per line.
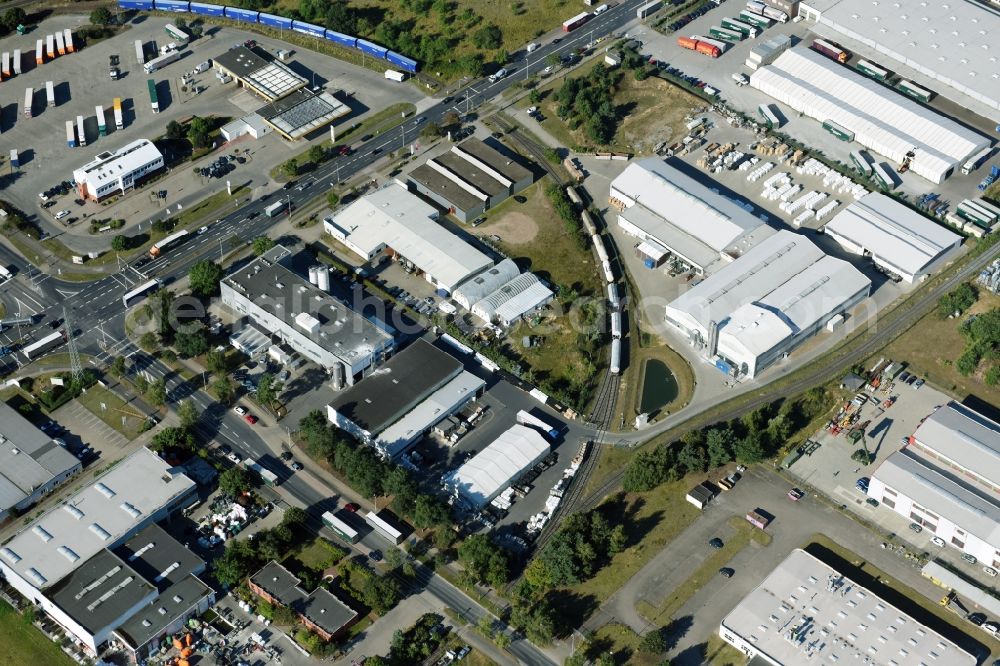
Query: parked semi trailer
x=829 y=49
x=161 y=61
x=119 y=123
x=140 y=55
x=80 y=130
x=29 y=98
x=50 y=94
x=70 y=134
x=700 y=46
x=154 y=101
x=102 y=128
x=39 y=52
x=17 y=61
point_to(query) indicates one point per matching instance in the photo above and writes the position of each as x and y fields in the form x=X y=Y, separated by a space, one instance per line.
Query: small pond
x=659 y=387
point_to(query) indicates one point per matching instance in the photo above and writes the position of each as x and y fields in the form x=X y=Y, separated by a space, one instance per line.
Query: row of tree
x=588 y=101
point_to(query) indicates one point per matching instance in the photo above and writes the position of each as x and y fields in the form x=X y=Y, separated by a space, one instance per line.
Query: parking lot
x=81 y=82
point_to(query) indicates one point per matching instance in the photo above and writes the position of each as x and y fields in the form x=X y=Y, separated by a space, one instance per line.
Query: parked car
x=240 y=409
x=226 y=449
x=235 y=459
x=976 y=618
x=862 y=484
x=726 y=572
x=990 y=571
x=376 y=556
x=716 y=543
x=992 y=628
x=971 y=559
x=296 y=465
x=916 y=527
x=351 y=507
x=63 y=213
x=286 y=455
x=903 y=377
x=937 y=541
x=871 y=501
x=917 y=384
x=250 y=418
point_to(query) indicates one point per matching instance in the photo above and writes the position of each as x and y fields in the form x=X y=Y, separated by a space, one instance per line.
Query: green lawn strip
x=23 y=643
x=905 y=598
x=720 y=653
x=376 y=123
x=660 y=615
x=116 y=410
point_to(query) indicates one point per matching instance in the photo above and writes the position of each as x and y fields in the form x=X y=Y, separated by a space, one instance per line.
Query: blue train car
x=340 y=39
x=207 y=10
x=136 y=4
x=275 y=21
x=244 y=15
x=401 y=61
x=171 y=5
x=309 y=29
x=372 y=49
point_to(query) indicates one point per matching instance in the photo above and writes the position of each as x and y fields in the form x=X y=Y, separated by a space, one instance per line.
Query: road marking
x=22 y=305
x=67 y=294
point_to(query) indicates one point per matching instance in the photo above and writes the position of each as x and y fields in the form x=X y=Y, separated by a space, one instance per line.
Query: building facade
x=117 y=172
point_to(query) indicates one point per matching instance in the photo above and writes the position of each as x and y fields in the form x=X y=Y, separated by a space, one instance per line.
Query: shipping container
x=70 y=134
x=144 y=5
x=60 y=43
x=309 y=29
x=722 y=46
x=769 y=116
x=29 y=98
x=39 y=52
x=761 y=22
x=50 y=94
x=401 y=61
x=970 y=212
x=575 y=22
x=68 y=39
x=340 y=39
x=989 y=208
x=372 y=49
x=140 y=53
x=161 y=61
x=755 y=6
x=739 y=26
x=861 y=163
x=883 y=177
x=976 y=160
x=687 y=43
x=16 y=64
x=726 y=34
x=838 y=131
x=758 y=519
x=776 y=14
x=154 y=101
x=913 y=90
x=648 y=9
x=102 y=128
x=175 y=33
x=874 y=71
x=204 y=9
x=81 y=131
x=244 y=15
x=393 y=75
x=829 y=49
x=50 y=47
x=275 y=21
x=119 y=120
x=171 y=5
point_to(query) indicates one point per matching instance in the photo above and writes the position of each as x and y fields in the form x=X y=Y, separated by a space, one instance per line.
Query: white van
x=393 y=75
x=532 y=46
x=600 y=10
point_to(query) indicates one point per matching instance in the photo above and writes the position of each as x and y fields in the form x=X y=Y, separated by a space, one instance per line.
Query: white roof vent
x=104 y=490
x=100 y=531
x=68 y=553
x=34 y=575
x=147 y=623
x=73 y=511
x=42 y=533
x=10 y=555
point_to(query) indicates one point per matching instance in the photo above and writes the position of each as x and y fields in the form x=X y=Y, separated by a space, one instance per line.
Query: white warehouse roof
x=782 y=287
x=483 y=477
x=806 y=611
x=885 y=121
x=951 y=42
x=96 y=517
x=679 y=212
x=898 y=238
x=964 y=439
x=110 y=166
x=522 y=294
x=394 y=217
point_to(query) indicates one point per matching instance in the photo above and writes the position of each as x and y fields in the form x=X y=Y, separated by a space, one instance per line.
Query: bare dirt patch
x=515 y=228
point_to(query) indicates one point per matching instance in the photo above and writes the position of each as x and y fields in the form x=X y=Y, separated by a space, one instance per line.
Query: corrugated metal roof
x=896 y=235
x=513 y=299
x=887 y=122
x=482 y=285
x=964 y=437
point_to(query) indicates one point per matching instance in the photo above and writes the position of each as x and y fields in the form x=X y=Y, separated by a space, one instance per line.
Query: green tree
x=191 y=344
x=552 y=60
x=175 y=130
x=204 y=278
x=222 y=387
x=235 y=481
x=101 y=16
x=653 y=642
x=141 y=384
x=720 y=444
x=750 y=449
x=237 y=562
x=502 y=57
x=317 y=154
x=188 y=413
x=488 y=37
x=993 y=376
x=957 y=300
x=119 y=243
x=174 y=439
x=261 y=244
x=290 y=167
x=199 y=132
x=692 y=457
x=148 y=341
x=266 y=392
x=157 y=392
x=332 y=199
x=484 y=560
x=503 y=640
x=472 y=64
x=215 y=361
x=118 y=366
x=294 y=518
x=13 y=17
x=431 y=131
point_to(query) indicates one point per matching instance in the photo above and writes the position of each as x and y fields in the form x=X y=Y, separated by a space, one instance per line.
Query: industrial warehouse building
x=947 y=480
x=882 y=120
x=941 y=44
x=494 y=468
x=704 y=230
x=395 y=406
x=899 y=240
x=469 y=179
x=757 y=309
x=267 y=78
x=97 y=560
x=320 y=610
x=302 y=112
x=307 y=318
x=502 y=294
x=117 y=172
x=397 y=222
x=32 y=465
x=806 y=611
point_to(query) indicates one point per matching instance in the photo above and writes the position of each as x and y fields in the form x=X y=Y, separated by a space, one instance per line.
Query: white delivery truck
x=393 y=75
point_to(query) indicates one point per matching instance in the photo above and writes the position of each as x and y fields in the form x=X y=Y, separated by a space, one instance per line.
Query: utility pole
x=74 y=353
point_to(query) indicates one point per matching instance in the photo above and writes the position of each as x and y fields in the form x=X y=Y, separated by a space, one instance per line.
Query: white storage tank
x=313 y=274
x=323 y=278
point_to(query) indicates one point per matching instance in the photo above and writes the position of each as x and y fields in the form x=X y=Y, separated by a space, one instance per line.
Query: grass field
x=24 y=644
x=622 y=644
x=116 y=410
x=933 y=344
x=742 y=534
x=317 y=555
x=650 y=111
